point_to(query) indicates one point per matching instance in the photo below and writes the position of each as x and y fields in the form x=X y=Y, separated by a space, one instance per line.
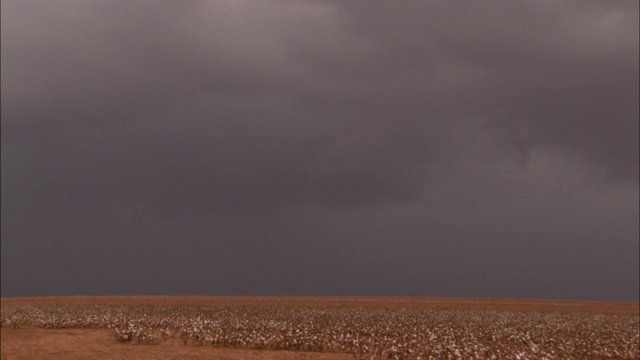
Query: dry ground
x=59 y=344
x=600 y=307
x=35 y=343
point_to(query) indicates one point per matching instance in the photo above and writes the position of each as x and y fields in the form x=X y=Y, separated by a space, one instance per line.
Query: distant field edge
x=500 y=304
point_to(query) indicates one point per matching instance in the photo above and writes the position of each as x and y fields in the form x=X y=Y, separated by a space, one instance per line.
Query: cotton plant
x=365 y=332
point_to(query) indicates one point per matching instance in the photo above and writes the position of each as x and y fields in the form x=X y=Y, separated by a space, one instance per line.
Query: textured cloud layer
x=419 y=148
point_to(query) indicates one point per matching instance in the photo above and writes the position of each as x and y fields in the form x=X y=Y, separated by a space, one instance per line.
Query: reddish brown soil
x=601 y=307
x=32 y=343
x=71 y=344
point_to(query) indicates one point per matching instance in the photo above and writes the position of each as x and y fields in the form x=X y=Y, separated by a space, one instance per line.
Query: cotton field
x=367 y=333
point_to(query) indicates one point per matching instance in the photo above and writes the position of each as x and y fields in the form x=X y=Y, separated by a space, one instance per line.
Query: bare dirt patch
x=72 y=344
x=63 y=344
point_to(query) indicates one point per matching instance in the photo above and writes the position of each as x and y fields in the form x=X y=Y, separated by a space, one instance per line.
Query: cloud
x=486 y=146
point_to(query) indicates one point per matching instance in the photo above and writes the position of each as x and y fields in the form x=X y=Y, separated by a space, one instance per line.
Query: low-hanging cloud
x=418 y=148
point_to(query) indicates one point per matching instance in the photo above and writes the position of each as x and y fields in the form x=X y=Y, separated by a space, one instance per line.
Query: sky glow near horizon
x=410 y=148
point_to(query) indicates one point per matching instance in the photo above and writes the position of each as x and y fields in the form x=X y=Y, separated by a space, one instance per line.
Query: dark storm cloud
x=419 y=148
x=568 y=72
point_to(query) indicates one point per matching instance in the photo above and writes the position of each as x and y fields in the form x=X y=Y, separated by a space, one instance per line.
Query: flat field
x=230 y=327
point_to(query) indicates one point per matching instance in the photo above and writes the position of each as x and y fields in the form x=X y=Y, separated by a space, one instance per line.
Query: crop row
x=364 y=332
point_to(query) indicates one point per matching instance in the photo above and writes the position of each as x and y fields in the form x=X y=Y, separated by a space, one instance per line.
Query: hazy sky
x=420 y=148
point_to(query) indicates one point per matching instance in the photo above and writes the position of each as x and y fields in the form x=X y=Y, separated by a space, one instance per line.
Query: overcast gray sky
x=420 y=148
